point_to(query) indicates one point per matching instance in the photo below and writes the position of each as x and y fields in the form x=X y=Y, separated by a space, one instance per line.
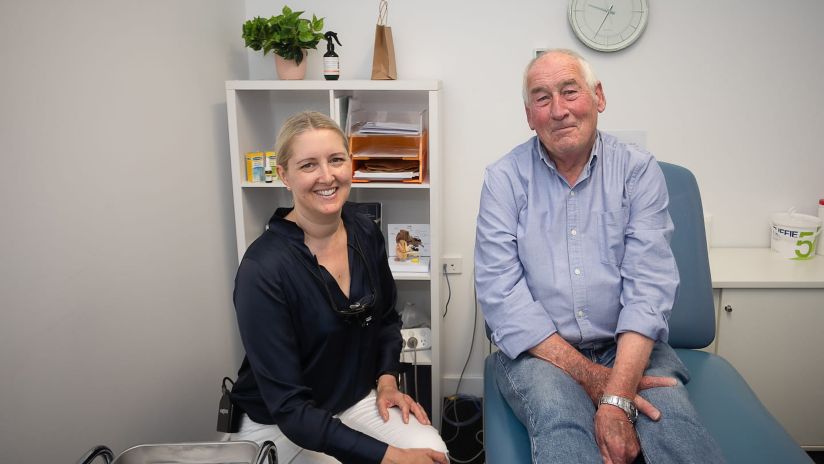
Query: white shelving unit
x=257 y=109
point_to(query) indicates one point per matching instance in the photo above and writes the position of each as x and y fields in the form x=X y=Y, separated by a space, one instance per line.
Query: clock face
x=608 y=25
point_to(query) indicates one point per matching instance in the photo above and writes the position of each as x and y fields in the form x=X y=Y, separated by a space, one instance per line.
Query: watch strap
x=624 y=403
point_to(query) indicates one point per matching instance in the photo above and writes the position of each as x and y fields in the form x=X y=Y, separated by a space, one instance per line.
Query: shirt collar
x=597 y=149
x=280 y=225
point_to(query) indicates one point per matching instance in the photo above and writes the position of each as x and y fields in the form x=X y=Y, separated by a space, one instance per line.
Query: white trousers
x=363 y=417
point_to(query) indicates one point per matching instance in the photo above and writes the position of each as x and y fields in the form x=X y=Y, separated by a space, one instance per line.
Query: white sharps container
x=794 y=235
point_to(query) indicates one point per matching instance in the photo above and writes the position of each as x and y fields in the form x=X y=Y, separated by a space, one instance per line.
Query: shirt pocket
x=612 y=226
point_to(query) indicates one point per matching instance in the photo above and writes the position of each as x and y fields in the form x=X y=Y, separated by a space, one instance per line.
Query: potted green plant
x=289 y=36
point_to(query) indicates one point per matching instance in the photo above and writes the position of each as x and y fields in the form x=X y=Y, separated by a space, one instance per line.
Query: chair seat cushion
x=734 y=416
x=739 y=422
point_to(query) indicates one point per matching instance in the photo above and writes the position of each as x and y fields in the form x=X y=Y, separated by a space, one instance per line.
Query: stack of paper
x=385 y=170
x=386 y=175
x=396 y=128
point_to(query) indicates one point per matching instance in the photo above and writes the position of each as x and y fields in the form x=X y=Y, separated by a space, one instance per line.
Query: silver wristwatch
x=623 y=403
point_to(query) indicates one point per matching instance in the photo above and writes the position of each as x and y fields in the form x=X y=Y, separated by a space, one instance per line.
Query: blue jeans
x=558 y=414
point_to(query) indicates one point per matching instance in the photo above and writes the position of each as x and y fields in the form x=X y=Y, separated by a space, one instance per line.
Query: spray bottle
x=267 y=172
x=331 y=62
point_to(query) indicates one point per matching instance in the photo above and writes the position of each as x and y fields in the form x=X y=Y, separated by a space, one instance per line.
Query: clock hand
x=605 y=19
x=602 y=9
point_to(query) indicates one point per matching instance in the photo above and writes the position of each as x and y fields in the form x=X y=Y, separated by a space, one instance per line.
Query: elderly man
x=576 y=279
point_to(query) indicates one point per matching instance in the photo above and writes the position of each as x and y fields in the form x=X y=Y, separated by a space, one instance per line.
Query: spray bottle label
x=331 y=66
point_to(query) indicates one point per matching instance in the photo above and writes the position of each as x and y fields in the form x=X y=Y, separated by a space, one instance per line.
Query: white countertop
x=763 y=268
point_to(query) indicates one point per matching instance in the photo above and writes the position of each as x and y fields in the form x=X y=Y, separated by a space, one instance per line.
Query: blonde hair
x=298 y=124
x=586 y=70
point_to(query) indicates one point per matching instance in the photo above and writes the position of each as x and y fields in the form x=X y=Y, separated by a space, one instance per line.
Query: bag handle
x=223 y=385
x=383 y=12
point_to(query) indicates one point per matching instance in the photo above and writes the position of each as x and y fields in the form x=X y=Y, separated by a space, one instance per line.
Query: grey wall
x=116 y=235
x=729 y=89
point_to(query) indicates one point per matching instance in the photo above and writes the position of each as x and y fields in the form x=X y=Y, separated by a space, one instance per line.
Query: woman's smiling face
x=319 y=173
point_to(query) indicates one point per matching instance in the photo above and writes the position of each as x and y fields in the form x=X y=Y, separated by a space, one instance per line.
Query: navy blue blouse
x=304 y=361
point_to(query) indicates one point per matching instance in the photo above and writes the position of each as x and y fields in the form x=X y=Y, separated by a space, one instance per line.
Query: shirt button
x=573 y=232
x=577 y=271
x=571 y=193
x=580 y=313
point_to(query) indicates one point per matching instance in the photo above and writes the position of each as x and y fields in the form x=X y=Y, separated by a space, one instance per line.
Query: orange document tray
x=389 y=148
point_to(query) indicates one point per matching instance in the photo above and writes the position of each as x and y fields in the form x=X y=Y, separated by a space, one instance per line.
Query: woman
x=315 y=306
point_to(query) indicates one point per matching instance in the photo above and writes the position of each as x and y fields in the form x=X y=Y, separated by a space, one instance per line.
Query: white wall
x=728 y=89
x=116 y=240
x=116 y=245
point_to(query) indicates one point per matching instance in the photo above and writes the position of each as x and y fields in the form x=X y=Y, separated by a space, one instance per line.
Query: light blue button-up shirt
x=588 y=261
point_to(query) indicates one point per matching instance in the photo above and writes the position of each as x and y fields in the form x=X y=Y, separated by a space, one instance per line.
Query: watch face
x=633 y=415
x=608 y=25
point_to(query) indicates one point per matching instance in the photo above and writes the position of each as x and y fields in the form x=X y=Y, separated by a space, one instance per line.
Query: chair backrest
x=692 y=324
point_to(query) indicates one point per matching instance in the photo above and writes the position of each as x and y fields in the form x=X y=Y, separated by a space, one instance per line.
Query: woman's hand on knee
x=388 y=397
x=413 y=456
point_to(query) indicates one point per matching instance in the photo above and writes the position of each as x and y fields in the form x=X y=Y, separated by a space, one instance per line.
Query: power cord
x=471 y=343
x=453 y=401
x=474 y=326
x=413 y=344
x=479 y=441
x=449 y=293
x=415 y=369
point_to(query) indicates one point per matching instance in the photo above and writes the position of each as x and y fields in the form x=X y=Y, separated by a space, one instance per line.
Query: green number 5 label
x=801 y=243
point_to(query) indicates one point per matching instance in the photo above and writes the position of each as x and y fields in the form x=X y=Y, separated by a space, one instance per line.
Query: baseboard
x=470 y=385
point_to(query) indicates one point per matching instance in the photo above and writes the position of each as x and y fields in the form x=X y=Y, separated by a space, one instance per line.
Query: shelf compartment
x=403 y=151
x=423 y=357
x=411 y=275
x=386 y=145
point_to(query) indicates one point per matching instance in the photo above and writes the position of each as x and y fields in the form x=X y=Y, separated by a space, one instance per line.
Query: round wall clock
x=608 y=25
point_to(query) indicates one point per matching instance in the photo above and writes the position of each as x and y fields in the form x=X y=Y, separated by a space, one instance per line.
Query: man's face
x=560 y=108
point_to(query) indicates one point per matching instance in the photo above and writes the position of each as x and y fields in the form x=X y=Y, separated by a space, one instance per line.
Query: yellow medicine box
x=254 y=166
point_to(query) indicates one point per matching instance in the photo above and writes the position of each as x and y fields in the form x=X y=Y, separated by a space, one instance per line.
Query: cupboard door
x=773 y=337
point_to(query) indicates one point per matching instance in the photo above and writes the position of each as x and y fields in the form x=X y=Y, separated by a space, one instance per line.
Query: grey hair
x=298 y=124
x=586 y=70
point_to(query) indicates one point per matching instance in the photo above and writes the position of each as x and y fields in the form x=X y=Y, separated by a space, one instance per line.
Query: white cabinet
x=770 y=323
x=257 y=109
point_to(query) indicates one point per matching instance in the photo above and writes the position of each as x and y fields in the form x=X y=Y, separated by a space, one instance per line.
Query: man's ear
x=528 y=116
x=600 y=99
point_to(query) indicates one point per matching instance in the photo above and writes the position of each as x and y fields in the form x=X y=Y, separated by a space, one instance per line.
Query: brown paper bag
x=383 y=58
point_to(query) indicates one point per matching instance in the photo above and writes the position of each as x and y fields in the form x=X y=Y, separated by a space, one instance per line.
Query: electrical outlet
x=417 y=339
x=453 y=264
